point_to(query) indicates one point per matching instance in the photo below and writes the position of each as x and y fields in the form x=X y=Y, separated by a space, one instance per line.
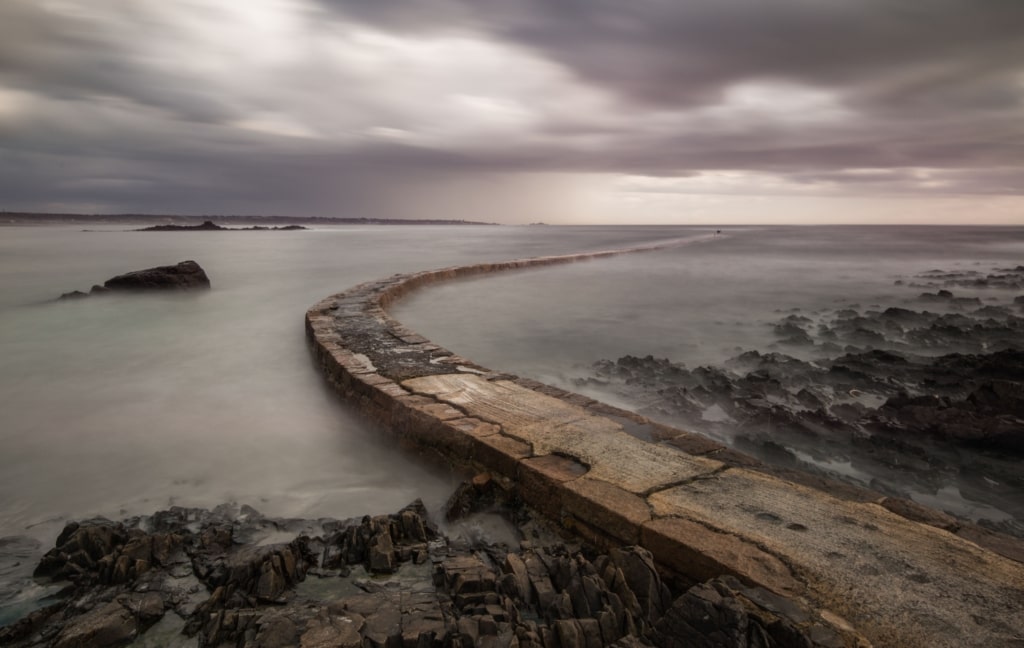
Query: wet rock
x=792 y=332
x=382 y=553
x=723 y=613
x=940 y=296
x=85 y=552
x=106 y=625
x=905 y=317
x=637 y=566
x=999 y=397
x=932 y=394
x=255 y=595
x=275 y=630
x=186 y=275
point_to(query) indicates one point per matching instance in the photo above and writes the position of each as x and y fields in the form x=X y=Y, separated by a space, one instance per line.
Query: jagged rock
x=250 y=595
x=275 y=631
x=637 y=565
x=723 y=613
x=110 y=624
x=382 y=553
x=84 y=552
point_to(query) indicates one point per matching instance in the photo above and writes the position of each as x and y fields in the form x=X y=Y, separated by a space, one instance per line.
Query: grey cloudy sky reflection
x=570 y=111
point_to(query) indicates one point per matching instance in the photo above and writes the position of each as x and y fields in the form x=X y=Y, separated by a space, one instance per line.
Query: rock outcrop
x=210 y=226
x=389 y=580
x=186 y=275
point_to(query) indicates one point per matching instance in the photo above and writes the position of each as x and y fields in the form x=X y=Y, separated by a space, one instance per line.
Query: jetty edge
x=897 y=572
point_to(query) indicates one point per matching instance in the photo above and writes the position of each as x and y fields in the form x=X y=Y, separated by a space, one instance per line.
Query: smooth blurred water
x=698 y=303
x=118 y=405
x=124 y=405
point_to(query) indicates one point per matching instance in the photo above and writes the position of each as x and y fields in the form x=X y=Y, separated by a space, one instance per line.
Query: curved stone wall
x=893 y=568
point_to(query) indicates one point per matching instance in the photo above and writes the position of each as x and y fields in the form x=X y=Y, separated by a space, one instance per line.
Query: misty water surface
x=116 y=405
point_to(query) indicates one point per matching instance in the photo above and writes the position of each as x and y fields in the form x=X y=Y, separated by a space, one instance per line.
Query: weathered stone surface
x=552 y=426
x=382 y=553
x=702 y=552
x=600 y=505
x=107 y=625
x=856 y=557
x=336 y=633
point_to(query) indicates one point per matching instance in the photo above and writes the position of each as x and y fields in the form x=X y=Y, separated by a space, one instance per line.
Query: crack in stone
x=794 y=570
x=712 y=474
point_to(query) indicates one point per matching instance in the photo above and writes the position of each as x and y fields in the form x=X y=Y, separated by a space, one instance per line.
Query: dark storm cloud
x=140 y=105
x=938 y=83
x=69 y=58
x=670 y=53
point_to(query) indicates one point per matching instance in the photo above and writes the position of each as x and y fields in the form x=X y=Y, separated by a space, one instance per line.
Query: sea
x=124 y=405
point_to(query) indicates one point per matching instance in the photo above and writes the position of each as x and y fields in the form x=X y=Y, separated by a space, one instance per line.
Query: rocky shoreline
x=232 y=577
x=929 y=386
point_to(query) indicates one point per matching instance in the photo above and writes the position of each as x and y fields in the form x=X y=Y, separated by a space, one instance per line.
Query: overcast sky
x=638 y=111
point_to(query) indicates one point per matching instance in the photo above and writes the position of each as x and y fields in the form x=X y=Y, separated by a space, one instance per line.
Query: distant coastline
x=33 y=218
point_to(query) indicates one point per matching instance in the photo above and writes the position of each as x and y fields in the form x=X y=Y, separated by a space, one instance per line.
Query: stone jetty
x=893 y=571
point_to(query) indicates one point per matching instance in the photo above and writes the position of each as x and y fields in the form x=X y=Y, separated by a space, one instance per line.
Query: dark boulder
x=941 y=296
x=206 y=226
x=724 y=613
x=187 y=275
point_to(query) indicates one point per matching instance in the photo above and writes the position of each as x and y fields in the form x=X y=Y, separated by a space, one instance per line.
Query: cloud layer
x=504 y=111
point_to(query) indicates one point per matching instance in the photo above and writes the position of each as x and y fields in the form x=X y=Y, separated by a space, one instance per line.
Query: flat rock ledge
x=899 y=573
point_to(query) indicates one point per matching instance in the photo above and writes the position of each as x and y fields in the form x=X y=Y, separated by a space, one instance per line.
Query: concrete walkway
x=900 y=574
